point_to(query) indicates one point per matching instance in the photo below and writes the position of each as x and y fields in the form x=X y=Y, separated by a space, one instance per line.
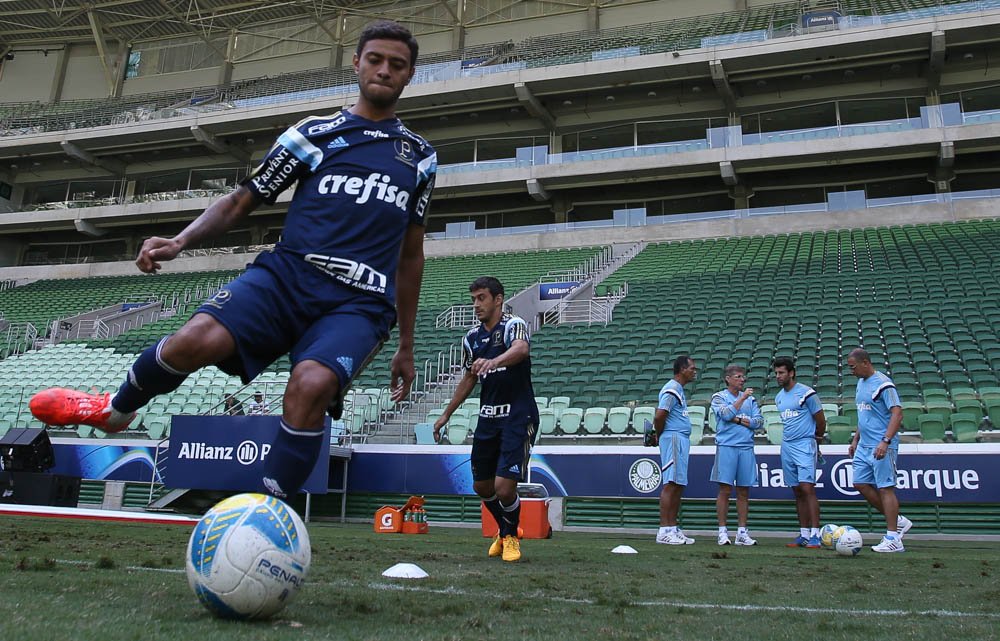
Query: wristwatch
x=886 y=440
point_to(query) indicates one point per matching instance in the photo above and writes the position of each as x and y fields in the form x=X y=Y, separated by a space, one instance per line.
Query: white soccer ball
x=248 y=557
x=850 y=543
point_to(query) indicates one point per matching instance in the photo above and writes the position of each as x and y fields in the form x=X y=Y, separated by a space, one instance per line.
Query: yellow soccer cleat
x=496 y=547
x=511 y=548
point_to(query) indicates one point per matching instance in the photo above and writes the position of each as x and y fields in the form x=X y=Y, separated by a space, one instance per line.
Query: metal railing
x=592 y=311
x=457 y=316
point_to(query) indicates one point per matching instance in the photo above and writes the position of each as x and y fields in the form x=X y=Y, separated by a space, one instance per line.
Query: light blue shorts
x=873 y=471
x=735 y=466
x=675 y=448
x=798 y=461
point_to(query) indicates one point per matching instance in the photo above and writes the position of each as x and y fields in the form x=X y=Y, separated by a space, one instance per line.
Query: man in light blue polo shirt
x=736 y=417
x=875 y=446
x=804 y=425
x=673 y=434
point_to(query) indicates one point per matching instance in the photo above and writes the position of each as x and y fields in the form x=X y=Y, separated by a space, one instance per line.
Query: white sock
x=814 y=532
x=742 y=531
x=891 y=534
x=664 y=530
x=804 y=532
x=723 y=530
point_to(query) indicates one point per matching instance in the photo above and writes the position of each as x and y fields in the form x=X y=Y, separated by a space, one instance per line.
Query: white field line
x=673 y=604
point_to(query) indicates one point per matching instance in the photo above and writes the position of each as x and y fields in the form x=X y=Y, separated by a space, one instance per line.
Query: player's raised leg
x=160 y=369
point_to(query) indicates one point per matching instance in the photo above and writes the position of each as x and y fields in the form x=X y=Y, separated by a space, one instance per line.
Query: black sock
x=149 y=376
x=512 y=516
x=493 y=505
x=291 y=460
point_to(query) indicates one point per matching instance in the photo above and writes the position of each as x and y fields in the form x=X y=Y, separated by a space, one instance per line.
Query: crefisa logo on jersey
x=644 y=475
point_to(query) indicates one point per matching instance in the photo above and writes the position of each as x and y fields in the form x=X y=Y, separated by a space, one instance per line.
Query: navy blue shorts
x=502 y=451
x=282 y=305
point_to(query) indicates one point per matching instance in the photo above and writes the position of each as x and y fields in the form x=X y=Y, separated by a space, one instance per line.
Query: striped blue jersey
x=727 y=432
x=875 y=398
x=673 y=401
x=360 y=184
x=797 y=407
x=506 y=394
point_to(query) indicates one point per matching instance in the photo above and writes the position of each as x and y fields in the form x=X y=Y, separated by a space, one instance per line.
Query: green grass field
x=87 y=580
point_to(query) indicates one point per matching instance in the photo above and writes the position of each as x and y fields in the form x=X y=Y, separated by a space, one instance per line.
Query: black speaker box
x=25 y=449
x=39 y=488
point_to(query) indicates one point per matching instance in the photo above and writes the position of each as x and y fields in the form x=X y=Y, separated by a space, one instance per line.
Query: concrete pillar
x=120 y=68
x=560 y=209
x=59 y=79
x=458 y=29
x=257 y=233
x=226 y=69
x=594 y=16
x=741 y=195
x=941 y=179
x=337 y=45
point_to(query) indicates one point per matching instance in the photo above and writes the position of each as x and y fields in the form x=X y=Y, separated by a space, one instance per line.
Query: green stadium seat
x=570 y=419
x=593 y=419
x=931 y=428
x=618 y=419
x=964 y=427
x=840 y=429
x=546 y=421
x=640 y=415
x=458 y=430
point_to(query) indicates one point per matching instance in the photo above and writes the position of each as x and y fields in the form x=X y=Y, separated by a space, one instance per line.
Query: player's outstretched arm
x=409 y=275
x=462 y=391
x=219 y=218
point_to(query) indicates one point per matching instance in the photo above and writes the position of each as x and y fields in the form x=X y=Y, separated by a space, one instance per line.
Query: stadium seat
x=546 y=421
x=774 y=431
x=593 y=419
x=697 y=417
x=840 y=429
x=424 y=433
x=964 y=427
x=558 y=404
x=458 y=430
x=830 y=409
x=618 y=419
x=570 y=419
x=931 y=428
x=639 y=417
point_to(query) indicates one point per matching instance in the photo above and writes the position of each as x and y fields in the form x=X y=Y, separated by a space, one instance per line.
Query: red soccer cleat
x=59 y=406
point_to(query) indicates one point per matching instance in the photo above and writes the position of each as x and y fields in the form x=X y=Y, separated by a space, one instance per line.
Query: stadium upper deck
x=683 y=116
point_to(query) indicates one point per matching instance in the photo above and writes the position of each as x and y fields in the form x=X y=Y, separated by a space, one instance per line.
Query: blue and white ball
x=826 y=535
x=248 y=557
x=850 y=543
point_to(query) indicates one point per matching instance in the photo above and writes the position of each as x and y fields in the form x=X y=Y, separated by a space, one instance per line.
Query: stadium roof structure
x=39 y=22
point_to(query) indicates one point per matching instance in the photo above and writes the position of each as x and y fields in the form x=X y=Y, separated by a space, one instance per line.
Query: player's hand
x=748 y=392
x=154 y=250
x=402 y=374
x=438 y=424
x=880 y=450
x=851 y=448
x=482 y=365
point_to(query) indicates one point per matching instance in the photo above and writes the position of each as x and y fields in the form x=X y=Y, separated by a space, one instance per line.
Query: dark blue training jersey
x=360 y=184
x=506 y=396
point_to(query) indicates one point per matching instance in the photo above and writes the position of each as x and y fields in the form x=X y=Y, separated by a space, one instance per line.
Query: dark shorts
x=502 y=451
x=281 y=305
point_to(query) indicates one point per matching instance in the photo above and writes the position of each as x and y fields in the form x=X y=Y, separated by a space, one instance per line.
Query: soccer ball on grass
x=849 y=543
x=248 y=557
x=826 y=535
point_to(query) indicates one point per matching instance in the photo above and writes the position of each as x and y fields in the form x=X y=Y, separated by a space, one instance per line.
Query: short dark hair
x=389 y=30
x=487 y=282
x=784 y=361
x=860 y=355
x=680 y=363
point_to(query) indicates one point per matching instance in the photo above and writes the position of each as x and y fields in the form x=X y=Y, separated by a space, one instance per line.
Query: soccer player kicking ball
x=348 y=266
x=875 y=446
x=498 y=355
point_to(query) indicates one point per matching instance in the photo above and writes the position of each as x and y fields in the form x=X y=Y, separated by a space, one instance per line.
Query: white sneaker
x=687 y=539
x=744 y=539
x=673 y=538
x=724 y=539
x=889 y=545
x=903 y=525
